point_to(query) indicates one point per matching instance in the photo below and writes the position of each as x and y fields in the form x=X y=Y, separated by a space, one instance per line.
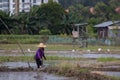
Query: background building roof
x=107 y=23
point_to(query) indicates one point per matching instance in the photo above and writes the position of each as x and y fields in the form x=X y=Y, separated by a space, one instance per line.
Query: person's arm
x=43 y=53
x=44 y=56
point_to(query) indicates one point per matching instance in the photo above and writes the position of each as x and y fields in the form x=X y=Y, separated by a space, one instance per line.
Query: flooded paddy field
x=75 y=54
x=87 y=55
x=30 y=76
x=112 y=73
x=107 y=68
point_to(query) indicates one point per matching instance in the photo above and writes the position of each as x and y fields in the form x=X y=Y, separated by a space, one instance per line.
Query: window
x=23 y=10
x=5 y=0
x=42 y=1
x=14 y=11
x=5 y=5
x=13 y=5
x=23 y=0
x=0 y=0
x=34 y=1
x=0 y=5
x=13 y=0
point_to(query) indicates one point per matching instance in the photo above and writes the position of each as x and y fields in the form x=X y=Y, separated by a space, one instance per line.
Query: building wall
x=102 y=32
x=12 y=6
x=114 y=32
x=4 y=5
x=16 y=6
x=24 y=5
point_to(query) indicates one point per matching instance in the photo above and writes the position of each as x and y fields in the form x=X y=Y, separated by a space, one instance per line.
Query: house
x=108 y=29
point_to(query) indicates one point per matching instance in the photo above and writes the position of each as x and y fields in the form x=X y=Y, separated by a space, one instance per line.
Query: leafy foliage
x=52 y=16
x=5 y=20
x=49 y=16
x=45 y=32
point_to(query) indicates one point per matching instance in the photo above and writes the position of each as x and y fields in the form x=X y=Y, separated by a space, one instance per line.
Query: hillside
x=67 y=3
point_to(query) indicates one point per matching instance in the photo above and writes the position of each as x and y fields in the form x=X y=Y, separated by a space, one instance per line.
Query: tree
x=102 y=10
x=49 y=16
x=114 y=3
x=116 y=9
x=5 y=20
x=22 y=21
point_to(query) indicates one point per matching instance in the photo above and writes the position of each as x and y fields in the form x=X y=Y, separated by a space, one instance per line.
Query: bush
x=45 y=32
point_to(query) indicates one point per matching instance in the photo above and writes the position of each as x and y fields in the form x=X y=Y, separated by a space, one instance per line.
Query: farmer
x=39 y=55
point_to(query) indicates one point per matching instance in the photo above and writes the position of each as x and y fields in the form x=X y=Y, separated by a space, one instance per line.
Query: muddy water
x=87 y=55
x=15 y=54
x=100 y=55
x=46 y=63
x=27 y=75
x=112 y=66
x=112 y=73
x=30 y=76
x=60 y=53
x=17 y=64
x=72 y=55
x=35 y=76
x=44 y=76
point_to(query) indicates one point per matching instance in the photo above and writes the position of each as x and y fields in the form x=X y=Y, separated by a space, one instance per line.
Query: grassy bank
x=74 y=70
x=107 y=59
x=31 y=58
x=59 y=47
x=19 y=38
x=31 y=39
x=54 y=42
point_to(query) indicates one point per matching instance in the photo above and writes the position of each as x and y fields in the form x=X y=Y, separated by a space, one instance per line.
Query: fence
x=28 y=39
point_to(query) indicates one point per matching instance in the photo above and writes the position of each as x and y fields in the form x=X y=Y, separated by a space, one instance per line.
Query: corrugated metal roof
x=107 y=23
x=81 y=24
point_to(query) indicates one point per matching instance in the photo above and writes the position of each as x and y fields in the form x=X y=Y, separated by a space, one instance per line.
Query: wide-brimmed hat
x=41 y=45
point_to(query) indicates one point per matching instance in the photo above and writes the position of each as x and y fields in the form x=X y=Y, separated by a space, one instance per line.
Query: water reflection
x=112 y=73
x=89 y=55
x=30 y=76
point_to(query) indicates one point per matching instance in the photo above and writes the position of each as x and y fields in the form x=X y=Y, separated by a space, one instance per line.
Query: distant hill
x=67 y=3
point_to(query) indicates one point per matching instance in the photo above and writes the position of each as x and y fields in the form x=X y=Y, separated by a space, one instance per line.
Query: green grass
x=57 y=47
x=20 y=38
x=107 y=59
x=31 y=58
x=15 y=59
x=74 y=70
x=31 y=41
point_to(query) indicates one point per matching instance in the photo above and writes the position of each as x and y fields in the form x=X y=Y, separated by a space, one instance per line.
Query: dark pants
x=39 y=63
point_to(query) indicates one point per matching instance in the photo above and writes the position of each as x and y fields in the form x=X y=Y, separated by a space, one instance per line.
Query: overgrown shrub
x=45 y=32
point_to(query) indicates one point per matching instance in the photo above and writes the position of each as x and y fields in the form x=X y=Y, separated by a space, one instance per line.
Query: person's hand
x=45 y=58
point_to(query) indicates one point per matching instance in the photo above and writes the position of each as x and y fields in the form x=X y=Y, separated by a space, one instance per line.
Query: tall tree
x=5 y=20
x=50 y=16
x=104 y=11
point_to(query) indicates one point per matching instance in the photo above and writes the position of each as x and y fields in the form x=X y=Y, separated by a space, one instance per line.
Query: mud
x=107 y=73
x=71 y=55
x=87 y=55
x=17 y=64
x=82 y=63
x=30 y=76
x=111 y=73
x=90 y=64
x=10 y=69
x=81 y=75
